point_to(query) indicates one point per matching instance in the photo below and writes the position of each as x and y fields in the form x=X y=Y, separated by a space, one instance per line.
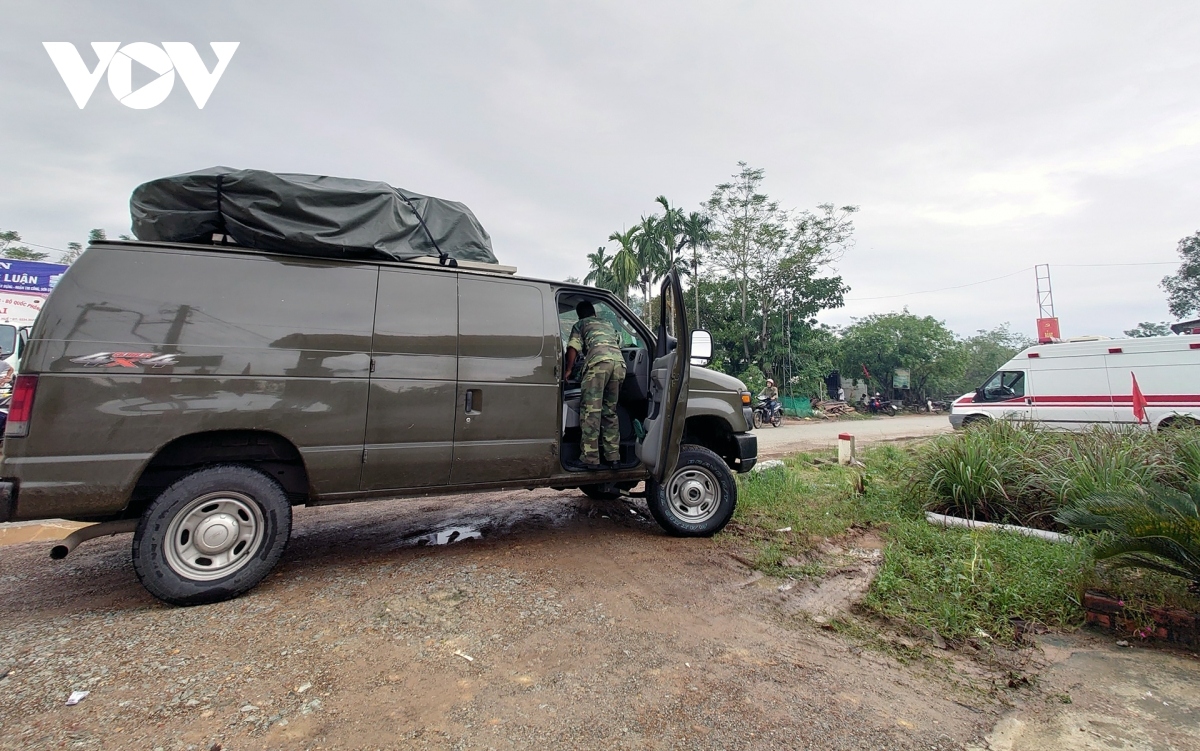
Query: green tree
x=652 y=257
x=1148 y=328
x=1183 y=287
x=625 y=267
x=74 y=250
x=10 y=248
x=696 y=235
x=740 y=212
x=600 y=271
x=888 y=341
x=985 y=352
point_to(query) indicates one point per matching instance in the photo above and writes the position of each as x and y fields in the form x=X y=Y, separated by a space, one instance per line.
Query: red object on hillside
x=1139 y=401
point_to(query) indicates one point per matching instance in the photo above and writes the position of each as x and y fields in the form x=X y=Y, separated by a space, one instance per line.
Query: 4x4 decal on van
x=125 y=360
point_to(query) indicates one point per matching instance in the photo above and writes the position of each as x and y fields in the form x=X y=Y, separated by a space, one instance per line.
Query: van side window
x=499 y=319
x=625 y=331
x=1006 y=384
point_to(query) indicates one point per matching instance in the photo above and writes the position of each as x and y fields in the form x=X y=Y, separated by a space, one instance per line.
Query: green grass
x=952 y=581
x=961 y=582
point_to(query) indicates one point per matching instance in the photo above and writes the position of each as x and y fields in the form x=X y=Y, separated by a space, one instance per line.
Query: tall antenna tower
x=1047 y=322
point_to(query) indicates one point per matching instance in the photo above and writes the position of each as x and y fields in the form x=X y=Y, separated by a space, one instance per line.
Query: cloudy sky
x=978 y=141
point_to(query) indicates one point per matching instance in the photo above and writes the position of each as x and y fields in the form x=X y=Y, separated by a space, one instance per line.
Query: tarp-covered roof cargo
x=306 y=215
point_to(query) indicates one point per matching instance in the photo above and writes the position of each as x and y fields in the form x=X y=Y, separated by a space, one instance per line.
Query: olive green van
x=194 y=394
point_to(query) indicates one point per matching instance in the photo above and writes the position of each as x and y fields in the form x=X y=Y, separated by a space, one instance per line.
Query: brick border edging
x=1170 y=624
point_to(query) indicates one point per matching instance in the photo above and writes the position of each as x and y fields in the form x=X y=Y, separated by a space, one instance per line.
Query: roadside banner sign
x=30 y=277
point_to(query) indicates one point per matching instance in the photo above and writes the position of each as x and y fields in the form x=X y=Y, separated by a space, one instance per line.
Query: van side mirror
x=8 y=341
x=701 y=347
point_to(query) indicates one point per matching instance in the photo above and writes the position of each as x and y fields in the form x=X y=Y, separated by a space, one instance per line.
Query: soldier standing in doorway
x=603 y=371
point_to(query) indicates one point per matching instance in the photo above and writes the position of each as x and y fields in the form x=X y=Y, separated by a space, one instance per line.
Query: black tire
x=776 y=419
x=891 y=410
x=758 y=421
x=709 y=474
x=974 y=421
x=232 y=504
x=598 y=493
x=1179 y=422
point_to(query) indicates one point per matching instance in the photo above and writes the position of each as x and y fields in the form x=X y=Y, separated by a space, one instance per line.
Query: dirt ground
x=570 y=624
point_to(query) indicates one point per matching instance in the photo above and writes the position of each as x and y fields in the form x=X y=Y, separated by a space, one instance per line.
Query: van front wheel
x=211 y=535
x=698 y=497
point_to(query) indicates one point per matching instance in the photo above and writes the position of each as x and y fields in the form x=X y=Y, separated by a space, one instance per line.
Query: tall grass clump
x=983 y=473
x=1070 y=467
x=1020 y=474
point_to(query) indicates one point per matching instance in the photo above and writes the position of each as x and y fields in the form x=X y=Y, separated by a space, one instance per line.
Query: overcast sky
x=977 y=140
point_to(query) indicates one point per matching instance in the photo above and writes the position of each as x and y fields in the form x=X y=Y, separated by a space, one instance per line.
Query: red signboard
x=1047 y=330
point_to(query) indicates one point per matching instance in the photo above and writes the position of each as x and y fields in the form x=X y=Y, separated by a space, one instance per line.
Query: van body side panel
x=507 y=407
x=1072 y=392
x=137 y=347
x=410 y=416
x=1169 y=380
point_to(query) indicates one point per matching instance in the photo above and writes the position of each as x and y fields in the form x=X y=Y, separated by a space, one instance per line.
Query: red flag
x=1139 y=401
x=866 y=372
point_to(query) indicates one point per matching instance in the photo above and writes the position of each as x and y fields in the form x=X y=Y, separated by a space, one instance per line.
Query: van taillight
x=21 y=407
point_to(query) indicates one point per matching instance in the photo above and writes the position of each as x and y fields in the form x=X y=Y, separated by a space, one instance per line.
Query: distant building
x=1186 y=327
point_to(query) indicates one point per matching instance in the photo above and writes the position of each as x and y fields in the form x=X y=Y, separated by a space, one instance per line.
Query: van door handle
x=1029 y=400
x=473 y=402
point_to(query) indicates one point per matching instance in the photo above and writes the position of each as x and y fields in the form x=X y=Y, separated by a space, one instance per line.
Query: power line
x=1142 y=263
x=941 y=289
x=1006 y=276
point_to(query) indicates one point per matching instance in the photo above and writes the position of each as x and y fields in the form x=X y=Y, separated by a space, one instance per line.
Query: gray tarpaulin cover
x=305 y=215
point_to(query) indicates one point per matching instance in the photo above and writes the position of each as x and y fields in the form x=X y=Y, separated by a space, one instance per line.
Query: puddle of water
x=448 y=536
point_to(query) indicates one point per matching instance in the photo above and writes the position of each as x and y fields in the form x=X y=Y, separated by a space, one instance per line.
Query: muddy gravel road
x=570 y=624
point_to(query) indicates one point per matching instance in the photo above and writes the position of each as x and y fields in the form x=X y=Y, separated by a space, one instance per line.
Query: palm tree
x=697 y=233
x=624 y=266
x=652 y=256
x=672 y=228
x=599 y=270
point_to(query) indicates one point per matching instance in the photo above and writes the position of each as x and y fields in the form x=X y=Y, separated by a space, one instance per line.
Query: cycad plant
x=1157 y=528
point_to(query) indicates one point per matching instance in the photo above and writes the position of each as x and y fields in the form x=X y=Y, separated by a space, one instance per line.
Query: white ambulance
x=1074 y=384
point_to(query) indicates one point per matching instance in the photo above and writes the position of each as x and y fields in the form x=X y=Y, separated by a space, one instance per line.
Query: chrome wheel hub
x=694 y=495
x=214 y=536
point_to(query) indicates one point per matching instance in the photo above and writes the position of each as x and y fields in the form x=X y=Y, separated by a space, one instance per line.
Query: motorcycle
x=879 y=405
x=762 y=417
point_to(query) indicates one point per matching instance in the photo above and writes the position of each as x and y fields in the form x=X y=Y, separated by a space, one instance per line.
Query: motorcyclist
x=876 y=402
x=769 y=397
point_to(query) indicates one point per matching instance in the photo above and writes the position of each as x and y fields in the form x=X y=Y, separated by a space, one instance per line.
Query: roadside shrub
x=1070 y=467
x=983 y=474
x=1156 y=528
x=1020 y=474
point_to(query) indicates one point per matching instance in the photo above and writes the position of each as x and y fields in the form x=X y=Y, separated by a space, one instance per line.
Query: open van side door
x=669 y=376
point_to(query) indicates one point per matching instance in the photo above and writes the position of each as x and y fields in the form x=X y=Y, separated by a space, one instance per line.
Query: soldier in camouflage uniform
x=603 y=371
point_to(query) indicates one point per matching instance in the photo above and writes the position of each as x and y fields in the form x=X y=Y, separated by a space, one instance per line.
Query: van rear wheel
x=212 y=535
x=698 y=497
